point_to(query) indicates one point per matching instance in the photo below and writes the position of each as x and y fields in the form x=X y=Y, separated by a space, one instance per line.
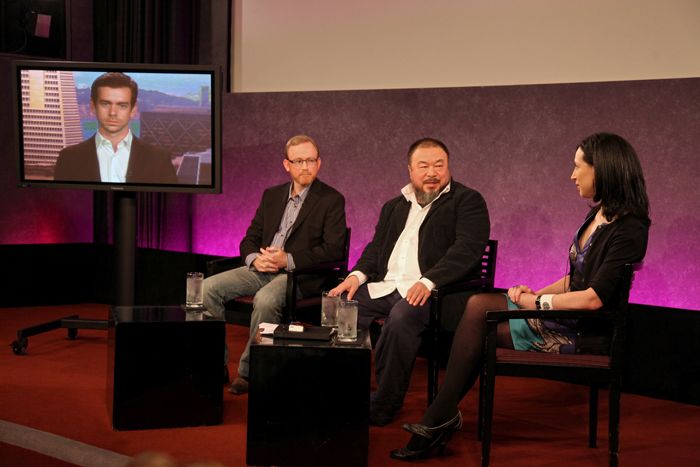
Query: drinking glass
x=193 y=297
x=347 y=320
x=329 y=310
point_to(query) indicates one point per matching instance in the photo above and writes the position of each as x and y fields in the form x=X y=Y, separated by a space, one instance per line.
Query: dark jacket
x=147 y=163
x=451 y=239
x=317 y=236
x=621 y=242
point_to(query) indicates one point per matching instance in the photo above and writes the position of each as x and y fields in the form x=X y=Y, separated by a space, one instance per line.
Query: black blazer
x=451 y=239
x=147 y=163
x=317 y=236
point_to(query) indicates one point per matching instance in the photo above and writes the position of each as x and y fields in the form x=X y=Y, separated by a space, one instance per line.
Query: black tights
x=466 y=356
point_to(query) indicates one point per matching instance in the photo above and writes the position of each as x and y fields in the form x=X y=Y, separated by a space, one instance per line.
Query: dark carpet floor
x=59 y=388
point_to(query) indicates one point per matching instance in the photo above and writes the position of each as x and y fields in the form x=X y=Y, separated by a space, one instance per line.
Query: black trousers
x=398 y=344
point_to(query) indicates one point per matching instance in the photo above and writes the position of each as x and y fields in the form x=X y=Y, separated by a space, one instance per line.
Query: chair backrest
x=333 y=271
x=488 y=263
x=341 y=269
x=619 y=337
x=346 y=256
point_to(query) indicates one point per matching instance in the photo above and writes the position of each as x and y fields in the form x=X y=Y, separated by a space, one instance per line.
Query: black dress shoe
x=379 y=418
x=380 y=414
x=436 y=438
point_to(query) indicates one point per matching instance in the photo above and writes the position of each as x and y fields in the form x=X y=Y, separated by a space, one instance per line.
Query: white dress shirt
x=113 y=164
x=403 y=270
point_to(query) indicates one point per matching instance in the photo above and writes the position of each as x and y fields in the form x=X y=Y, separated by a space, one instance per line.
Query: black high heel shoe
x=437 y=438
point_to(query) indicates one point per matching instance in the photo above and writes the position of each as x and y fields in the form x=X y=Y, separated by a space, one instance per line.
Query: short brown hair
x=114 y=80
x=297 y=140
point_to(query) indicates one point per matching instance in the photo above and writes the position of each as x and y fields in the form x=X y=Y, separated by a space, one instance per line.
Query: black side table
x=164 y=368
x=308 y=403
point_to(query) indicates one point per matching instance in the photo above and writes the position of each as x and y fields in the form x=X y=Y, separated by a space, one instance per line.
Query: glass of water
x=347 y=320
x=329 y=310
x=193 y=297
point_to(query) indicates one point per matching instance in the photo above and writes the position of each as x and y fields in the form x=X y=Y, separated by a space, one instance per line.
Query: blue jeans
x=269 y=290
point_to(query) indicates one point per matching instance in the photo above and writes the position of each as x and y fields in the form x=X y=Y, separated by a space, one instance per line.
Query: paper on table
x=267 y=328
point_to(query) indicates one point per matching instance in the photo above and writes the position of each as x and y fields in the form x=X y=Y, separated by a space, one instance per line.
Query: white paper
x=267 y=328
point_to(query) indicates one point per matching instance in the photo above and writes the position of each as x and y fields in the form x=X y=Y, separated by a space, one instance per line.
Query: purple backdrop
x=515 y=144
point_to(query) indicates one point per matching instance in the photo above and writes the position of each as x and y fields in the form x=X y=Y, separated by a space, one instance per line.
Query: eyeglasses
x=301 y=162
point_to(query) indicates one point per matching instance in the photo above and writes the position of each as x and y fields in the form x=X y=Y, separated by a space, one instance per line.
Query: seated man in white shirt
x=433 y=234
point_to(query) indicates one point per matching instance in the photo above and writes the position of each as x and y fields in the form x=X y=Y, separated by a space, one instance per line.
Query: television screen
x=118 y=126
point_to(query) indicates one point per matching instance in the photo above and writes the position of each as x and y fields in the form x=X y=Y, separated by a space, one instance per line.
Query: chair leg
x=433 y=362
x=435 y=380
x=487 y=417
x=480 y=415
x=431 y=377
x=614 y=421
x=593 y=416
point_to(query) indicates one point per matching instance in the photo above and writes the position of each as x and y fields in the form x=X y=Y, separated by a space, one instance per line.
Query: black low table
x=308 y=403
x=164 y=368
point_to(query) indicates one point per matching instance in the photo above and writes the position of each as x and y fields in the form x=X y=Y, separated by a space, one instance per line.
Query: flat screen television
x=118 y=126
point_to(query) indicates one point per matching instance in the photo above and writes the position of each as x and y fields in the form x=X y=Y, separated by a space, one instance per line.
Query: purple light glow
x=515 y=144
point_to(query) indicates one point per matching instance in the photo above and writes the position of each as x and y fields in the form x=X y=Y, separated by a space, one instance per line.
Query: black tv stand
x=125 y=252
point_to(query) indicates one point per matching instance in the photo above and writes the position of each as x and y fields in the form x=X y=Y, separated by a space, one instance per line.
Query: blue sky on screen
x=177 y=84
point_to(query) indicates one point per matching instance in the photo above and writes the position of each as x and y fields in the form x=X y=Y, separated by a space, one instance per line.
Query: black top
x=623 y=241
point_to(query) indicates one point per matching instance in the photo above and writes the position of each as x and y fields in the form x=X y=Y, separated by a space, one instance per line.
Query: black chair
x=238 y=310
x=594 y=370
x=434 y=331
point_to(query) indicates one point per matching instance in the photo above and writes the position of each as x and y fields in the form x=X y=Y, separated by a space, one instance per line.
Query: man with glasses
x=433 y=234
x=297 y=225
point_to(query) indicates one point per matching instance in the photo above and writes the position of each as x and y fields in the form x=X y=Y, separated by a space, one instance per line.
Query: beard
x=426 y=197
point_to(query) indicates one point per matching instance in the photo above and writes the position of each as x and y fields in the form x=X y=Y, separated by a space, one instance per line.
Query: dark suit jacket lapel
x=402 y=210
x=92 y=166
x=134 y=158
x=276 y=211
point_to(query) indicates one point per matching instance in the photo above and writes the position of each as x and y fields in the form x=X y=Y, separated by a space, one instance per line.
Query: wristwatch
x=538 y=303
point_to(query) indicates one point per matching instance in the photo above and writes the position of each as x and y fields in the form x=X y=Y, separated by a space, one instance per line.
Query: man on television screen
x=114 y=154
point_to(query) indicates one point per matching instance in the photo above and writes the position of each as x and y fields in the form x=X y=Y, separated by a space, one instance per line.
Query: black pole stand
x=125 y=246
x=125 y=254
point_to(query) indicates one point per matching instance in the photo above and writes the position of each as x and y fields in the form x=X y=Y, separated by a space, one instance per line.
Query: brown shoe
x=239 y=386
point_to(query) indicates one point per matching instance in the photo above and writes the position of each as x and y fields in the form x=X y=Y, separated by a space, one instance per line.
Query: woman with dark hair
x=614 y=233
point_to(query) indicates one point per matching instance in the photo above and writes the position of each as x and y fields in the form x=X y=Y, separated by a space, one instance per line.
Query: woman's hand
x=527 y=301
x=514 y=293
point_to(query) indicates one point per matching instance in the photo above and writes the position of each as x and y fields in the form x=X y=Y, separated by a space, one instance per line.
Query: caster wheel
x=20 y=347
x=72 y=333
